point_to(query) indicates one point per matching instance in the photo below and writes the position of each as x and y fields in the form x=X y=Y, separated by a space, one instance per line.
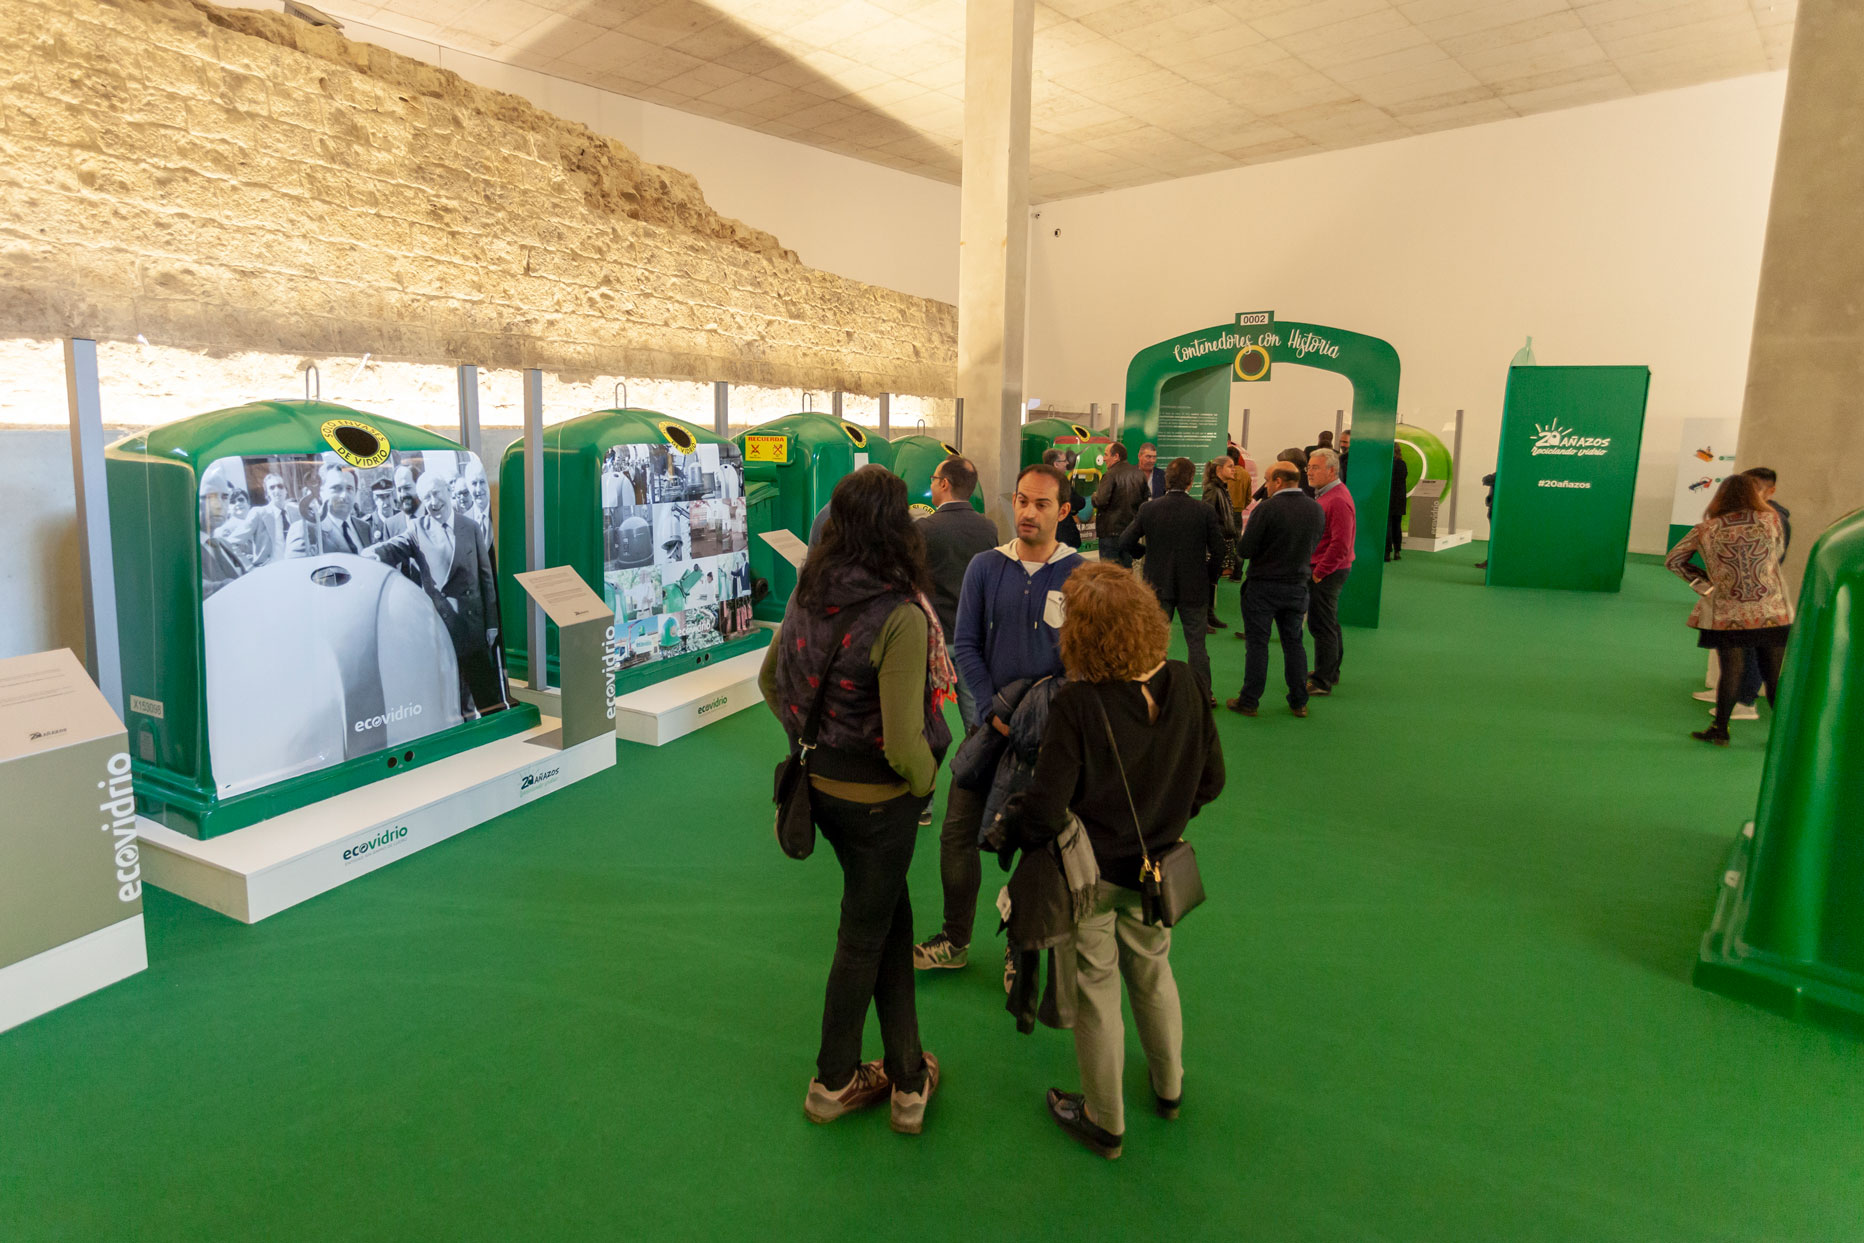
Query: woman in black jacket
x=1113 y=645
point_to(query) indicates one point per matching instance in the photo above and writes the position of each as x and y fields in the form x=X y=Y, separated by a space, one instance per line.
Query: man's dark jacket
x=1181 y=541
x=1279 y=541
x=954 y=533
x=1121 y=492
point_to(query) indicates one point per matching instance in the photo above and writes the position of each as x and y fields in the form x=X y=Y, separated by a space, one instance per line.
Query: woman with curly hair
x=1113 y=645
x=861 y=635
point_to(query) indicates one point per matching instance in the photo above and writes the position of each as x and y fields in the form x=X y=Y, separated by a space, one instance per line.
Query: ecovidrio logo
x=1561 y=441
x=387 y=837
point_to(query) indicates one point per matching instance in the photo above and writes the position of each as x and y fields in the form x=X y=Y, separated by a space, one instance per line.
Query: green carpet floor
x=1440 y=992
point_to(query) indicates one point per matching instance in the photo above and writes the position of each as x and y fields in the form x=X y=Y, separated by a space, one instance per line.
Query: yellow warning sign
x=767 y=449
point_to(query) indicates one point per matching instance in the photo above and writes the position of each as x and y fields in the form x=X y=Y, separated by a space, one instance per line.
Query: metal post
x=958 y=427
x=835 y=403
x=886 y=414
x=1093 y=416
x=721 y=408
x=1339 y=424
x=1113 y=420
x=1456 y=471
x=103 y=658
x=469 y=410
x=534 y=518
x=1245 y=439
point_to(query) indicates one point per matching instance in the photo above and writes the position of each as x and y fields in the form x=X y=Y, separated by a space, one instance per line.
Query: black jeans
x=959 y=866
x=1734 y=665
x=1194 y=620
x=1323 y=622
x=1281 y=606
x=1394 y=535
x=874 y=945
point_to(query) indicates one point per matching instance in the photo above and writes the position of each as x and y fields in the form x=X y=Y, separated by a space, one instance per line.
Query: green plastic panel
x=914 y=460
x=802 y=456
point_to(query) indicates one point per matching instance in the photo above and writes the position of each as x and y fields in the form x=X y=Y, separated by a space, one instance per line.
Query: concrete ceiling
x=1125 y=91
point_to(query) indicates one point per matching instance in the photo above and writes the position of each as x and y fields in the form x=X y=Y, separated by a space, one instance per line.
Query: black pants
x=1323 y=622
x=1394 y=535
x=1280 y=606
x=1110 y=547
x=874 y=945
x=1734 y=664
x=1194 y=620
x=959 y=866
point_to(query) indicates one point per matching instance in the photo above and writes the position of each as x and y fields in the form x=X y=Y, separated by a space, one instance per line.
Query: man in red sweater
x=1333 y=561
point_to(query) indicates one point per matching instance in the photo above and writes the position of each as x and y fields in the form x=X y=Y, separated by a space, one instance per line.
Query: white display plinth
x=262 y=869
x=672 y=709
x=1420 y=543
x=61 y=975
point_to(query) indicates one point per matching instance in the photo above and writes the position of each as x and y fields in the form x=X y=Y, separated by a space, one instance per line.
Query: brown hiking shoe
x=866 y=1088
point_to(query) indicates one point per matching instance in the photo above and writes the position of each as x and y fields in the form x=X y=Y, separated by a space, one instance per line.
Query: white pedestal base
x=61 y=975
x=658 y=714
x=1418 y=543
x=262 y=869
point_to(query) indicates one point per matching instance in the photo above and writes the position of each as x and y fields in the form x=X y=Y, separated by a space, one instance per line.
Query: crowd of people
x=1058 y=666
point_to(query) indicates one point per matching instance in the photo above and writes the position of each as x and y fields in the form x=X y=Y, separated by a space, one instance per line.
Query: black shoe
x=1388 y=556
x=1215 y=624
x=1716 y=734
x=1167 y=1109
x=1482 y=565
x=1317 y=688
x=1069 y=1109
x=1301 y=711
x=1213 y=701
x=1236 y=705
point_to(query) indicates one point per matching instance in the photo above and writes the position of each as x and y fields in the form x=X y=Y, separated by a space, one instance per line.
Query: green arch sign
x=1178 y=397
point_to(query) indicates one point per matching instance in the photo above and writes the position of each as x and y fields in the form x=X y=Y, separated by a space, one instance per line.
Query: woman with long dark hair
x=860 y=630
x=1131 y=750
x=1744 y=604
x=1219 y=473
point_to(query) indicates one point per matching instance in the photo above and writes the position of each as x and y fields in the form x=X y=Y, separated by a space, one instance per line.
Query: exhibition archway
x=1178 y=398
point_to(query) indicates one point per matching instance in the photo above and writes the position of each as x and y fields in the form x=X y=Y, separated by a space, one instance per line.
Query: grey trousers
x=1111 y=943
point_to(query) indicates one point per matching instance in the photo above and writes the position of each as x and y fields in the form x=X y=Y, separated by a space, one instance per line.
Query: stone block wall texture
x=225 y=180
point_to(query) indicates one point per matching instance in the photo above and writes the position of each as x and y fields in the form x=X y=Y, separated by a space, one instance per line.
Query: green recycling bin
x=914 y=460
x=651 y=512
x=307 y=604
x=1788 y=930
x=1041 y=435
x=791 y=466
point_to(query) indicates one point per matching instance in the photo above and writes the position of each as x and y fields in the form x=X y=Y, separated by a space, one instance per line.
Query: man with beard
x=455 y=567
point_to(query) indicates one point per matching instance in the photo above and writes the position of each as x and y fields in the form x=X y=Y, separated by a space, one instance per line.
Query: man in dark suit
x=1122 y=490
x=1182 y=542
x=1152 y=472
x=954 y=533
x=455 y=565
x=329 y=522
x=1279 y=545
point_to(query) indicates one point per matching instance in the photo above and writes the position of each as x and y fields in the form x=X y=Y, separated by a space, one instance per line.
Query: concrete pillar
x=1806 y=368
x=993 y=243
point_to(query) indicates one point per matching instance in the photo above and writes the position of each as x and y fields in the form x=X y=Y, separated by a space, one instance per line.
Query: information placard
x=587 y=657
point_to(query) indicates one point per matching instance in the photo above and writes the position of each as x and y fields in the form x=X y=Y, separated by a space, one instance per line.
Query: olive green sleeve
x=899 y=655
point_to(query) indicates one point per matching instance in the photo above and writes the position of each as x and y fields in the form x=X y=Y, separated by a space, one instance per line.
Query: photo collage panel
x=678 y=560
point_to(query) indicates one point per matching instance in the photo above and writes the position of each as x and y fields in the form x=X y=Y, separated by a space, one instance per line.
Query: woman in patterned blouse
x=1744 y=601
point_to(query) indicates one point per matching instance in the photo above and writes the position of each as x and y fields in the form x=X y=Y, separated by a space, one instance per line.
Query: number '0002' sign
x=767 y=449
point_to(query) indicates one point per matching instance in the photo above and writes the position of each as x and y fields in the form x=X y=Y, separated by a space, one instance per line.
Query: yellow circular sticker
x=949 y=447
x=855 y=434
x=1080 y=431
x=678 y=437
x=1252 y=362
x=355 y=442
x=919 y=509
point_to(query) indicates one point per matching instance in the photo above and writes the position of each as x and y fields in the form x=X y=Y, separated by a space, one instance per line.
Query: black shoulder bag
x=795 y=820
x=1169 y=886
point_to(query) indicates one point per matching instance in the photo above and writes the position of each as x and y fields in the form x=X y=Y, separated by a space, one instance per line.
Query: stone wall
x=235 y=180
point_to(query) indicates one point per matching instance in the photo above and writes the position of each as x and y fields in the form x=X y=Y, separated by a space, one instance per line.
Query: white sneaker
x=1745 y=712
x=1707 y=697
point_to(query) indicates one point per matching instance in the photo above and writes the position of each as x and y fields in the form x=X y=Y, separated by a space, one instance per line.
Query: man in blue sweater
x=1009 y=625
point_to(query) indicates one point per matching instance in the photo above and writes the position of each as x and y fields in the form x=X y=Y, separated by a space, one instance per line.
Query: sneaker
x=1713 y=734
x=866 y=1088
x=1745 y=712
x=1069 y=1109
x=1167 y=1109
x=1301 y=711
x=939 y=953
x=1316 y=688
x=1236 y=705
x=925 y=817
x=909 y=1108
x=1707 y=697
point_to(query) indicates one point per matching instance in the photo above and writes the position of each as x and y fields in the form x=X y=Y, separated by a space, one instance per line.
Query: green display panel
x=1788 y=931
x=791 y=465
x=1425 y=457
x=914 y=460
x=651 y=512
x=1565 y=477
x=1247 y=351
x=1194 y=417
x=307 y=603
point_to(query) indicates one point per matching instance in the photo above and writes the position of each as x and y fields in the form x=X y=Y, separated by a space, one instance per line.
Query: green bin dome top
x=600 y=429
x=269 y=428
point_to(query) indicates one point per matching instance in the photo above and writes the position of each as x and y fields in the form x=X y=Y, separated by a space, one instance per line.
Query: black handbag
x=795 y=818
x=1170 y=886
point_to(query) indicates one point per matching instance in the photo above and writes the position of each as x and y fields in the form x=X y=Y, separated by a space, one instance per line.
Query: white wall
x=1626 y=232
x=838 y=214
